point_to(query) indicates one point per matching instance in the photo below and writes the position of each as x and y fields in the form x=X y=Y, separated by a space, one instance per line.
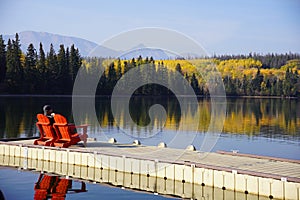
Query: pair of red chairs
x=60 y=134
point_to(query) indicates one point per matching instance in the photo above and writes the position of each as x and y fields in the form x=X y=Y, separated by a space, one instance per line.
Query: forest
x=39 y=72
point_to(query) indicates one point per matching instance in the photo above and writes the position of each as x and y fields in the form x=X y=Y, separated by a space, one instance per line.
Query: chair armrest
x=83 y=136
x=83 y=126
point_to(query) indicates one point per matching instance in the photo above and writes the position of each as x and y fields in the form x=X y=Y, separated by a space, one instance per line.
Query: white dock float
x=189 y=176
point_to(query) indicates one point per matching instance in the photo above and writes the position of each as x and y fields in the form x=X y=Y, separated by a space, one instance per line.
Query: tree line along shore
x=38 y=72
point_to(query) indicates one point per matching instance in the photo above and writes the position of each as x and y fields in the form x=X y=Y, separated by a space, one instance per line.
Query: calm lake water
x=257 y=126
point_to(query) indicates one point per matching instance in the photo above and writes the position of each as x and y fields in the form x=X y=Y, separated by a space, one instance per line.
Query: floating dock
x=183 y=173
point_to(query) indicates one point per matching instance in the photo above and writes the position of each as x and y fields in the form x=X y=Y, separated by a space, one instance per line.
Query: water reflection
x=272 y=118
x=55 y=187
x=18 y=114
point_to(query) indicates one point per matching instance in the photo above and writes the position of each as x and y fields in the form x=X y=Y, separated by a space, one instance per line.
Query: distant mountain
x=156 y=54
x=86 y=48
x=135 y=52
x=27 y=37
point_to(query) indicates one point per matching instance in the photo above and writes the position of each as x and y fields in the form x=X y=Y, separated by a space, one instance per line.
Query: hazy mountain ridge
x=27 y=37
x=86 y=47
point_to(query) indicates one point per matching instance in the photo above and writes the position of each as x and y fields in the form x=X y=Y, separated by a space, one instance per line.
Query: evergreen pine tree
x=256 y=82
x=2 y=60
x=42 y=70
x=126 y=67
x=68 y=59
x=178 y=68
x=287 y=84
x=9 y=59
x=152 y=90
x=152 y=60
x=279 y=88
x=132 y=63
x=294 y=81
x=41 y=64
x=53 y=71
x=297 y=84
x=195 y=84
x=268 y=87
x=119 y=69
x=74 y=62
x=244 y=85
x=63 y=75
x=30 y=69
x=14 y=73
x=111 y=77
x=61 y=58
x=139 y=61
x=17 y=55
x=273 y=87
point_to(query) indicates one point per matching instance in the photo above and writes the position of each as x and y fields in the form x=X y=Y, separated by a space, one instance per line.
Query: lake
x=257 y=126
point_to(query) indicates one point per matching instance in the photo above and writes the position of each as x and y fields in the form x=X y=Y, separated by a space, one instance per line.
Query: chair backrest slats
x=61 y=126
x=44 y=126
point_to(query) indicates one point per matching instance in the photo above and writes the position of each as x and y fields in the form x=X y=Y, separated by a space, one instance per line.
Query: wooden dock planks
x=245 y=173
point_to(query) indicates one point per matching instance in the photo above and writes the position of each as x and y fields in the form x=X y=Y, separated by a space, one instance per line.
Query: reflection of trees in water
x=262 y=116
x=256 y=109
x=270 y=117
x=29 y=118
x=290 y=114
x=14 y=110
x=2 y=121
x=139 y=108
x=18 y=114
x=104 y=114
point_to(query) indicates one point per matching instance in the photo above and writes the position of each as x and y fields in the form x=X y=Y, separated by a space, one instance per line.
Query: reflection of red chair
x=40 y=195
x=47 y=134
x=64 y=186
x=54 y=187
x=43 y=186
x=61 y=189
x=65 y=134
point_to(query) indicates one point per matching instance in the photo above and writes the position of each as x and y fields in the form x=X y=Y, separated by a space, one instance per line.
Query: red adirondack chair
x=64 y=131
x=47 y=133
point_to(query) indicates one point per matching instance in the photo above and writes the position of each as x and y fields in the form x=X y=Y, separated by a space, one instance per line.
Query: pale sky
x=220 y=26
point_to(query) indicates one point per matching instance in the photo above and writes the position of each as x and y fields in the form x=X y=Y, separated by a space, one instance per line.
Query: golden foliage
x=234 y=68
